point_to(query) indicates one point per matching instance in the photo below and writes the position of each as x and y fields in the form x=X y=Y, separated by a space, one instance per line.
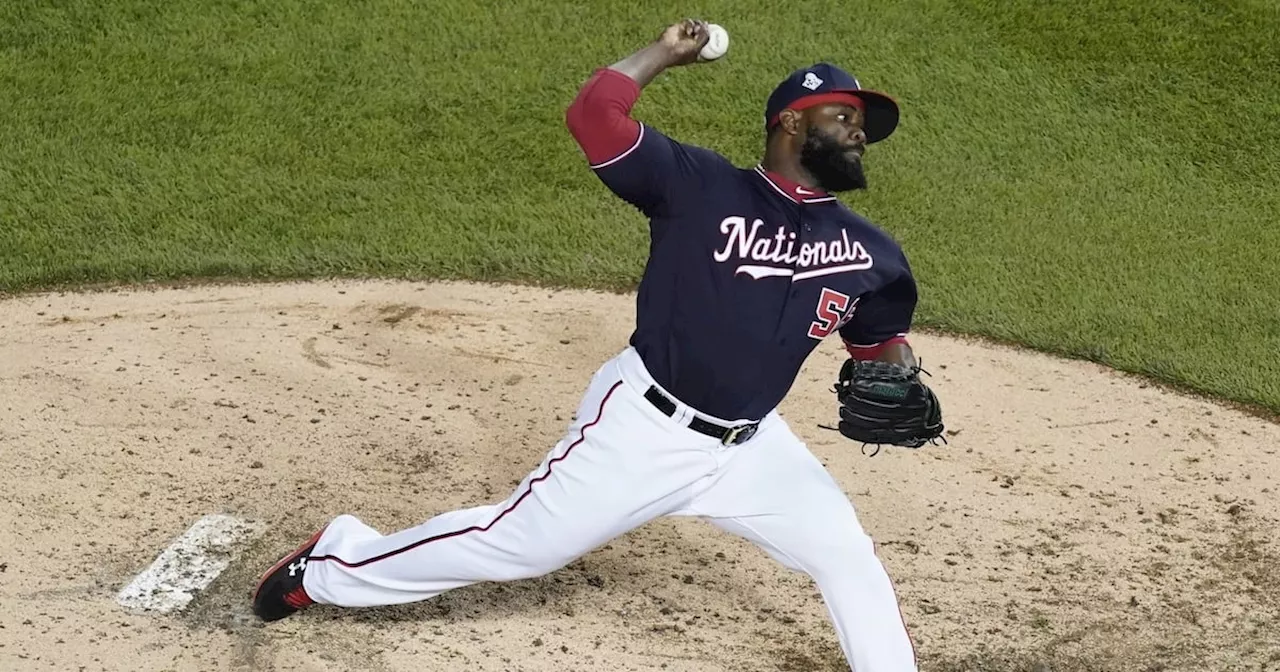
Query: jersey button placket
x=794 y=291
x=801 y=227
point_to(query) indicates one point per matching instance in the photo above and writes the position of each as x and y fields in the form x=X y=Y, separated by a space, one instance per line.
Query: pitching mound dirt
x=1078 y=520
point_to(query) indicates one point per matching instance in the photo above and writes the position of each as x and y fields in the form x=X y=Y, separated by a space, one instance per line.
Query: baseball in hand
x=717 y=45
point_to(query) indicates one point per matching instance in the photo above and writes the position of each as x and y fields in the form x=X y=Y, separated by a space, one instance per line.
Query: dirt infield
x=1078 y=520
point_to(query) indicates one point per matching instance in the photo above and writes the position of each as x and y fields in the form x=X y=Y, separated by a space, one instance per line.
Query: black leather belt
x=729 y=436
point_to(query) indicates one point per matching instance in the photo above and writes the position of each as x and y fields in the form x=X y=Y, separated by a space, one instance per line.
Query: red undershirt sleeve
x=599 y=118
x=634 y=160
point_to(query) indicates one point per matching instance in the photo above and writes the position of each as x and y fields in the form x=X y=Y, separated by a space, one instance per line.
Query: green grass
x=1096 y=179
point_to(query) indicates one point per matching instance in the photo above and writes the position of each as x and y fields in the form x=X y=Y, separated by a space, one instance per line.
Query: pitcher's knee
x=841 y=554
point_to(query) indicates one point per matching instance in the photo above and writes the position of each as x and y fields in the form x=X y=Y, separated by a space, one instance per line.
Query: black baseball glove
x=886 y=403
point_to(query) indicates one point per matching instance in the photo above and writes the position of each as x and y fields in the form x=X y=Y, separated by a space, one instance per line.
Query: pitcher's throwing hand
x=685 y=40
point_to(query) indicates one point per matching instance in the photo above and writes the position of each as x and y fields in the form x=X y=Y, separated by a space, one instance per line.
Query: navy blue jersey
x=747 y=273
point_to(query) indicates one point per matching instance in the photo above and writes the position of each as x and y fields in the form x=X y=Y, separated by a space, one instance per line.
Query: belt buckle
x=744 y=431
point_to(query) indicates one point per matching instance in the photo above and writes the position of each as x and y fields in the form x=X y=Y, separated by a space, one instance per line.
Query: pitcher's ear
x=789 y=121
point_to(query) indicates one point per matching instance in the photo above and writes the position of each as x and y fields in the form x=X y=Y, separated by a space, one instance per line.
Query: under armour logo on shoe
x=299 y=566
x=811 y=81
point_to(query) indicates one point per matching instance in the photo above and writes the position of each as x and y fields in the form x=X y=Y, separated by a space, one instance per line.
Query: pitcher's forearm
x=646 y=63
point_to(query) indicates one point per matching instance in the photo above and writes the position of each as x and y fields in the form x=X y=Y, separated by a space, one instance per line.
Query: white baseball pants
x=621 y=464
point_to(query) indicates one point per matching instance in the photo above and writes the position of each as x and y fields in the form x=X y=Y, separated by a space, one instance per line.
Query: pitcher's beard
x=827 y=161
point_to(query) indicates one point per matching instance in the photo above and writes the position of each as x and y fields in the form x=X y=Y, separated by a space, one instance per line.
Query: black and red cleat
x=280 y=593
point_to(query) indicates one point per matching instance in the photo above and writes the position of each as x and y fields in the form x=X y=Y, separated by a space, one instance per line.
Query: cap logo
x=811 y=81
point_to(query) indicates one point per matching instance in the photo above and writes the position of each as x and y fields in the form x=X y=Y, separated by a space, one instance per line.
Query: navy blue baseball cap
x=825 y=83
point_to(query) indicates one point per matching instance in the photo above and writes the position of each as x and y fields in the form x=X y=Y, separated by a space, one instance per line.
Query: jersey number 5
x=834 y=309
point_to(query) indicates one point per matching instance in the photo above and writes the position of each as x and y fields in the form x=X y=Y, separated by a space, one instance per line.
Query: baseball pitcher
x=749 y=270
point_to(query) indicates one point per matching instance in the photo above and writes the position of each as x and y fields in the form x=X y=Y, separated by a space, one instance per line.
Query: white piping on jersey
x=623 y=155
x=822 y=199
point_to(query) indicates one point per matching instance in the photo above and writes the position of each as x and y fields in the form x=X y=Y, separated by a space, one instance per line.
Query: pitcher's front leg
x=615 y=469
x=775 y=493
